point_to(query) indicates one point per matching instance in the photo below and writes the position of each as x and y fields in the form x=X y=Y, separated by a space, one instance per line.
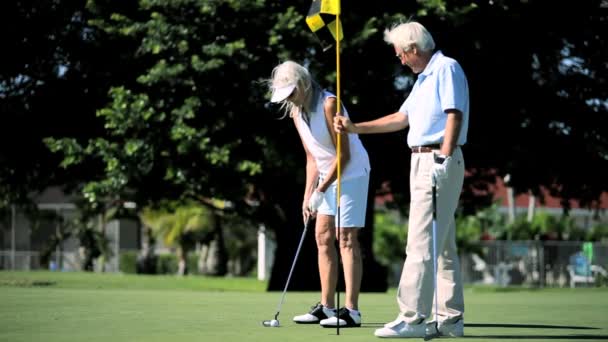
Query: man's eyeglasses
x=400 y=54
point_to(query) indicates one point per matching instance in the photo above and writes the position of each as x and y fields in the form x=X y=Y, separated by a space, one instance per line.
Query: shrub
x=390 y=235
x=128 y=262
x=192 y=263
x=167 y=264
x=598 y=232
x=468 y=234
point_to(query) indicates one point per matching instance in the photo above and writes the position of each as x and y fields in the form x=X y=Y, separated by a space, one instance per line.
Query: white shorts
x=353 y=202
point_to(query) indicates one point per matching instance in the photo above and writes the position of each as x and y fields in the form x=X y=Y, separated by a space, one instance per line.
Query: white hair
x=404 y=35
x=290 y=72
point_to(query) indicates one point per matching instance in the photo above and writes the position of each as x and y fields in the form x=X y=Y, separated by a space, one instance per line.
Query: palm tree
x=180 y=225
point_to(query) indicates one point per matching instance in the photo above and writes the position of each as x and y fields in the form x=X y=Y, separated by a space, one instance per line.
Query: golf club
x=275 y=322
x=436 y=326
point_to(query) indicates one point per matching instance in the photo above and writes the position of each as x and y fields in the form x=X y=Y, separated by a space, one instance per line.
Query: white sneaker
x=455 y=329
x=345 y=319
x=316 y=314
x=399 y=329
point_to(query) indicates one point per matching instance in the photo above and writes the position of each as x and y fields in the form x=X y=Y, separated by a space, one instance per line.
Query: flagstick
x=338 y=155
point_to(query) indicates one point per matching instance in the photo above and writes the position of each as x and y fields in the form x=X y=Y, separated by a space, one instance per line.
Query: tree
x=195 y=123
x=180 y=225
x=187 y=114
x=176 y=127
x=55 y=76
x=538 y=92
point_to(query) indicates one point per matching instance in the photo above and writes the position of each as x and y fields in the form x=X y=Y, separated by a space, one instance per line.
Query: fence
x=502 y=263
x=31 y=260
x=536 y=263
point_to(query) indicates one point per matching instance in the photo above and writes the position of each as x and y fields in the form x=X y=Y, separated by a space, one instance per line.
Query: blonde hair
x=290 y=72
x=404 y=35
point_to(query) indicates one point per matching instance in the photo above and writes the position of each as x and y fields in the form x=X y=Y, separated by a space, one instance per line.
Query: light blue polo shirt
x=442 y=85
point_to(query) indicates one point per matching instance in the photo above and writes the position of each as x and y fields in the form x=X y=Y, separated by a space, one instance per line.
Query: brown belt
x=425 y=148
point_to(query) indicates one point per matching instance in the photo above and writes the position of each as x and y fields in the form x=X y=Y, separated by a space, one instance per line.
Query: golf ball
x=274 y=323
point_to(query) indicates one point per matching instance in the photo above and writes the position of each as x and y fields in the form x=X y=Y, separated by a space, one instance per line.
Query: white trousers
x=415 y=295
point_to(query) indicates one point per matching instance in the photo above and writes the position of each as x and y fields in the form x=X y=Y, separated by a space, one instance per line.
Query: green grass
x=108 y=281
x=45 y=306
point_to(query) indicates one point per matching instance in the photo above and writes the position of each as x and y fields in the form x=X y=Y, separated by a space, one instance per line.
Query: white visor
x=281 y=93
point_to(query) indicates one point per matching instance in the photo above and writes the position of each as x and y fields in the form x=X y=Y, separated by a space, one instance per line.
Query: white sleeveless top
x=317 y=139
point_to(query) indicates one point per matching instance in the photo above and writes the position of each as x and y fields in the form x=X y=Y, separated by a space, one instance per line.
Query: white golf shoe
x=455 y=329
x=449 y=329
x=316 y=314
x=345 y=319
x=400 y=329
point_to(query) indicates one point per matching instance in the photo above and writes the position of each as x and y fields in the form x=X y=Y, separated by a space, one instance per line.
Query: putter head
x=271 y=323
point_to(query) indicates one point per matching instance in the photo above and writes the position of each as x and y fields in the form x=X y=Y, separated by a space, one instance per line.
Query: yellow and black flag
x=321 y=20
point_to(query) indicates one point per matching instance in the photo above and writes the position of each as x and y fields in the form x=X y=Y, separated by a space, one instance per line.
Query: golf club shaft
x=435 y=250
x=295 y=259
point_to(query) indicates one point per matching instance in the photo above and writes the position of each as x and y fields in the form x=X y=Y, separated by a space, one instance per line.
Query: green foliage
x=128 y=262
x=487 y=223
x=469 y=230
x=167 y=264
x=176 y=128
x=390 y=236
x=85 y=225
x=182 y=225
x=444 y=10
x=240 y=238
x=601 y=280
x=548 y=226
x=492 y=221
x=599 y=232
x=192 y=263
x=167 y=53
x=179 y=224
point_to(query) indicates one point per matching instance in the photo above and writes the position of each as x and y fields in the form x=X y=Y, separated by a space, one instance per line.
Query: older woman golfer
x=313 y=110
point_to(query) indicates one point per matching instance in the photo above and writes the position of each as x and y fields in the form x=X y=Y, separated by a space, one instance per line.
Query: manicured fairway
x=42 y=306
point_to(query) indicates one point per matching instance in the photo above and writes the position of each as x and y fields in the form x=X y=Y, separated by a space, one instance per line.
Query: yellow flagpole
x=339 y=150
x=339 y=156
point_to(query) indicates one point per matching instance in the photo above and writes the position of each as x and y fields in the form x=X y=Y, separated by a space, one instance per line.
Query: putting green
x=47 y=306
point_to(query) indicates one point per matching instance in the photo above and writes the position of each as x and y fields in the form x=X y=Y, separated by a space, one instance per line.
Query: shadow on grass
x=540 y=337
x=520 y=336
x=26 y=283
x=533 y=326
x=534 y=337
x=372 y=325
x=502 y=325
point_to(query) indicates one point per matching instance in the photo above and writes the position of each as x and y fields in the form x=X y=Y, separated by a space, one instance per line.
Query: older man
x=437 y=112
